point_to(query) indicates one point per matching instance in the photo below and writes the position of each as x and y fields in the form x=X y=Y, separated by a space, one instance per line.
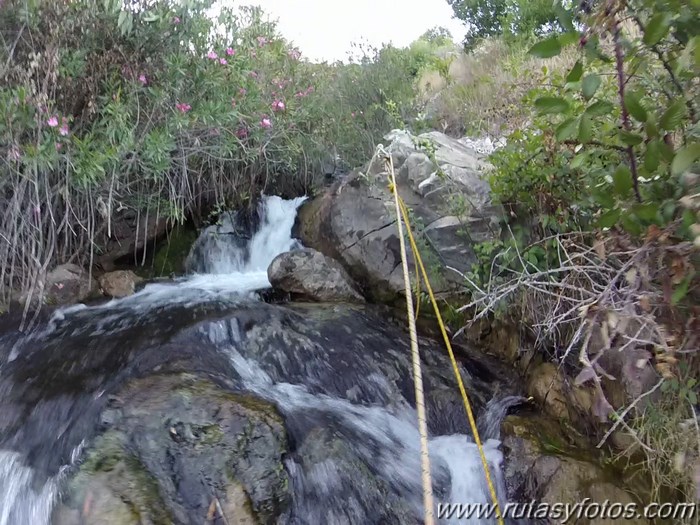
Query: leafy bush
x=160 y=109
x=492 y=18
x=604 y=185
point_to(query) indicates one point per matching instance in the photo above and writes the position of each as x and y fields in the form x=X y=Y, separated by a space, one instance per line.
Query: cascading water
x=55 y=381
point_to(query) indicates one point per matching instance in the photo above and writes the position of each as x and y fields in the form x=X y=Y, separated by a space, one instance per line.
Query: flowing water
x=56 y=380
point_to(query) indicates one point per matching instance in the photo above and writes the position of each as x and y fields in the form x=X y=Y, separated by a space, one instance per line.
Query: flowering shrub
x=163 y=110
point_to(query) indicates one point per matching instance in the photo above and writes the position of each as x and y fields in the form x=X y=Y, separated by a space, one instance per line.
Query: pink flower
x=53 y=121
x=352 y=114
x=253 y=74
x=176 y=20
x=278 y=105
x=230 y=51
x=212 y=55
x=262 y=41
x=294 y=54
x=58 y=146
x=242 y=91
x=242 y=132
x=142 y=79
x=184 y=108
x=63 y=130
x=223 y=61
x=266 y=123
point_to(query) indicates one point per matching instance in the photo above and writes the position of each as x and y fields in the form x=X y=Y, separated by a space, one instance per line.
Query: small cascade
x=240 y=244
x=348 y=392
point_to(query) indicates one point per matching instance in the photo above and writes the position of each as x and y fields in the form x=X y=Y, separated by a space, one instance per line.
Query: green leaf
x=693 y=397
x=568 y=38
x=685 y=158
x=590 y=85
x=565 y=18
x=652 y=156
x=635 y=108
x=599 y=108
x=622 y=180
x=630 y=224
x=551 y=105
x=682 y=290
x=604 y=197
x=647 y=211
x=567 y=129
x=546 y=48
x=657 y=28
x=585 y=129
x=630 y=139
x=651 y=128
x=576 y=72
x=579 y=160
x=609 y=218
x=673 y=116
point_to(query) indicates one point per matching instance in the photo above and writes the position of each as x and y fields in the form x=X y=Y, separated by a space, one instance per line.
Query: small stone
x=120 y=283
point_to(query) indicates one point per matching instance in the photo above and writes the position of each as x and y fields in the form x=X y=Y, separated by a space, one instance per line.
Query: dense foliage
x=603 y=189
x=167 y=109
x=490 y=18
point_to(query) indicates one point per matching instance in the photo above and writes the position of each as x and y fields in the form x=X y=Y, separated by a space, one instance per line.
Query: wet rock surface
x=173 y=445
x=331 y=386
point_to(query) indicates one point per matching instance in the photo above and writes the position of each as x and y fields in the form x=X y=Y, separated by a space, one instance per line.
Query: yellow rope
x=417 y=374
x=470 y=415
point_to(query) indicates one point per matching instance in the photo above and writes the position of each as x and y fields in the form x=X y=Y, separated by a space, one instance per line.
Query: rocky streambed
x=200 y=400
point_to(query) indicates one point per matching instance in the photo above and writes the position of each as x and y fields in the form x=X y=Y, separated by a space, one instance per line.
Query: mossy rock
x=179 y=449
x=170 y=256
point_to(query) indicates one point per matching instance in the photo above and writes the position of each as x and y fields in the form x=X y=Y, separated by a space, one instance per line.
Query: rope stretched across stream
x=402 y=217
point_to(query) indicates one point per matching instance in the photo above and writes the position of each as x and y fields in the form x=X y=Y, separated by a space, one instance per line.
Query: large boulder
x=178 y=449
x=442 y=181
x=312 y=275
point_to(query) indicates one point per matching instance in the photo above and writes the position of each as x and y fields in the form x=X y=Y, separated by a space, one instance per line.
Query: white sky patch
x=325 y=29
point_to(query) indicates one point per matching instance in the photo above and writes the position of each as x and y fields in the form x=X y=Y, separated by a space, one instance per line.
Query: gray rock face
x=312 y=275
x=450 y=200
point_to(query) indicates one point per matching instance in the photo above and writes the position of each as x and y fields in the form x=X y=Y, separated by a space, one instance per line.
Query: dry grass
x=484 y=89
x=607 y=296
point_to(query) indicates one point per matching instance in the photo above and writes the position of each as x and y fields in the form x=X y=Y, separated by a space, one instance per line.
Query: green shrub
x=161 y=109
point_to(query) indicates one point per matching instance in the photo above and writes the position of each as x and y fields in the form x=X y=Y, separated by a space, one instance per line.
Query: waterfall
x=228 y=265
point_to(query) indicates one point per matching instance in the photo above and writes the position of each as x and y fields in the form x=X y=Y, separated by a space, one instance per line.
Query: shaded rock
x=129 y=233
x=312 y=275
x=534 y=473
x=550 y=387
x=178 y=443
x=119 y=283
x=354 y=221
x=66 y=284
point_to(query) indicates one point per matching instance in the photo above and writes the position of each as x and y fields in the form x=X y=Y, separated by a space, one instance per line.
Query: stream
x=338 y=378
